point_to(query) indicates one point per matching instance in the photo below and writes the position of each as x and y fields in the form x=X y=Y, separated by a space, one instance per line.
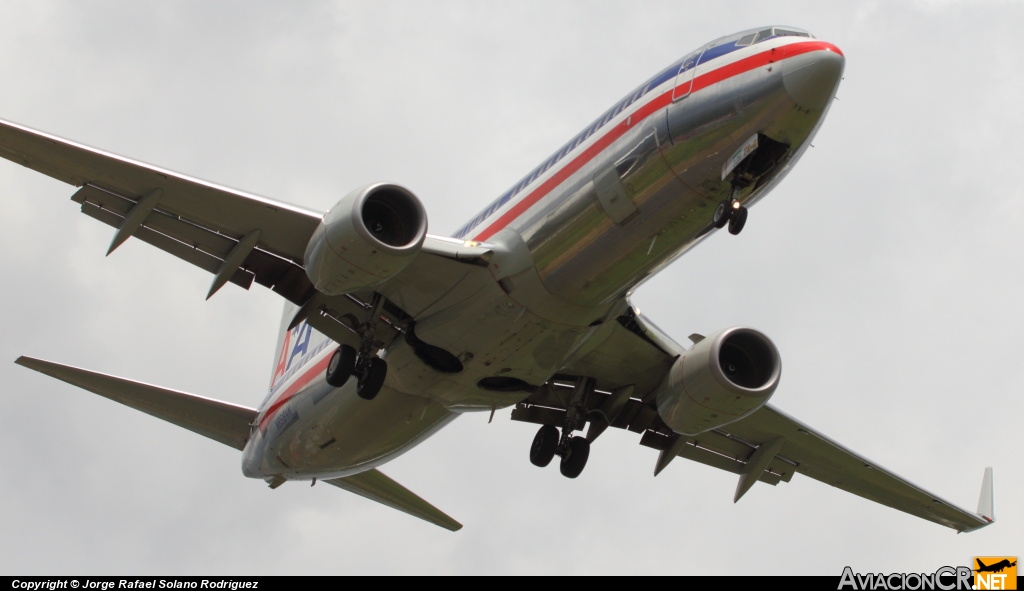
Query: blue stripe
x=641 y=91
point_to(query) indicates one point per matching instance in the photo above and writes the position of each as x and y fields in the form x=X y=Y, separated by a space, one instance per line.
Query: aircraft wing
x=627 y=362
x=808 y=452
x=239 y=237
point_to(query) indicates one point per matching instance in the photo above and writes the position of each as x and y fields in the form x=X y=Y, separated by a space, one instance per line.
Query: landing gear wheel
x=572 y=464
x=722 y=214
x=544 y=445
x=737 y=221
x=371 y=382
x=341 y=365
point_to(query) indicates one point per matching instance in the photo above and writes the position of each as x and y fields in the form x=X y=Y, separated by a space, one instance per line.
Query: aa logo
x=995 y=572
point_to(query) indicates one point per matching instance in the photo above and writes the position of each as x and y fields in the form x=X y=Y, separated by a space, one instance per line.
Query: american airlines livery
x=389 y=333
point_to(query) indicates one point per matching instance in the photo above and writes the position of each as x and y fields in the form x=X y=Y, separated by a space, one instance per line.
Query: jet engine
x=368 y=237
x=721 y=379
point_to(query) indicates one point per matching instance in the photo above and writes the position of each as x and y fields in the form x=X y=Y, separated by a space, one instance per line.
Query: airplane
x=994 y=568
x=389 y=333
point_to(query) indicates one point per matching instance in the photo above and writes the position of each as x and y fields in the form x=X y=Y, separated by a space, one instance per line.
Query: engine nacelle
x=369 y=236
x=721 y=379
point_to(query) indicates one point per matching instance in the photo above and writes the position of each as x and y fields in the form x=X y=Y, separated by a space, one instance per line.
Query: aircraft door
x=684 y=77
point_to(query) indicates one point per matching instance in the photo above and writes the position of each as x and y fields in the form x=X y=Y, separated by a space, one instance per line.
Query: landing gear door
x=684 y=78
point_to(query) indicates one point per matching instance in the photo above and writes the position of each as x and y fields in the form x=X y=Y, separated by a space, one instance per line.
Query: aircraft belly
x=336 y=433
x=493 y=337
x=327 y=432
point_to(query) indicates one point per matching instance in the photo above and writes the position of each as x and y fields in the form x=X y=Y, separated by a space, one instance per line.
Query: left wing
x=627 y=362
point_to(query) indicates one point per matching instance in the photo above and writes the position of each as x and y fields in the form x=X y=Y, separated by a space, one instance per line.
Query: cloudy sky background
x=886 y=268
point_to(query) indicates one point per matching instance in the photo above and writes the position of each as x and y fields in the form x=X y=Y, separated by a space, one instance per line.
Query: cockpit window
x=788 y=33
x=746 y=39
x=774 y=32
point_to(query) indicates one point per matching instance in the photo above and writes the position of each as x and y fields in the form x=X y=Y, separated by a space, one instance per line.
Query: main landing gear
x=369 y=369
x=574 y=451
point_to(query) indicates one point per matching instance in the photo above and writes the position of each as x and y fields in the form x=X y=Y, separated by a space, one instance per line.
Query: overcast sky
x=886 y=268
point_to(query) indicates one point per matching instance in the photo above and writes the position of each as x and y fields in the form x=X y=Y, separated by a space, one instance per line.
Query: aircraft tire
x=573 y=464
x=737 y=221
x=722 y=215
x=340 y=367
x=545 y=443
x=371 y=383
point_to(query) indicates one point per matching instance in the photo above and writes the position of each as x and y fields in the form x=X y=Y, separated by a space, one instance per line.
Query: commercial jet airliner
x=389 y=333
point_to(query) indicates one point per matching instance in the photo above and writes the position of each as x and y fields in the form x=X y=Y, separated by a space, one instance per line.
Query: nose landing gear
x=730 y=212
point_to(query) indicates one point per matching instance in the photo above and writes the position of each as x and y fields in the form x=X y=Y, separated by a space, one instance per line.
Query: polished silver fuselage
x=571 y=241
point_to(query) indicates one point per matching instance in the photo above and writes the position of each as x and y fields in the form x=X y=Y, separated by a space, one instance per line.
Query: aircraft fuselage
x=619 y=201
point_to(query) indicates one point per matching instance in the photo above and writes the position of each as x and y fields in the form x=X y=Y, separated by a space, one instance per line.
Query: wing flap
x=183 y=251
x=221 y=421
x=704 y=450
x=204 y=247
x=377 y=486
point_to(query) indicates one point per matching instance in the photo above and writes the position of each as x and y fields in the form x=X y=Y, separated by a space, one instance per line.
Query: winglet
x=986 y=505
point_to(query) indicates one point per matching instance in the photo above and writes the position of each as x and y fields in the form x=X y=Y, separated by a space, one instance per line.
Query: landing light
x=736 y=205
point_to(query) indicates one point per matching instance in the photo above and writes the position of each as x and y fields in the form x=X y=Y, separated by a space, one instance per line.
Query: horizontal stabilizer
x=377 y=486
x=220 y=421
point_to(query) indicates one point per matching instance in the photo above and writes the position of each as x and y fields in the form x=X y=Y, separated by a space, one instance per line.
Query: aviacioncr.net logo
x=946 y=578
x=995 y=572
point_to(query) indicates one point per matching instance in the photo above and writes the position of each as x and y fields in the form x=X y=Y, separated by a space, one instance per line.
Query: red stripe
x=300 y=383
x=654 y=105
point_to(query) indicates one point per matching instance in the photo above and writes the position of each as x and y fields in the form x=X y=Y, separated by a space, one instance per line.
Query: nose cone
x=812 y=78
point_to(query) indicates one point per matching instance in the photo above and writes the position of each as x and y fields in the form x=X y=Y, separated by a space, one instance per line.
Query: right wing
x=239 y=237
x=810 y=453
x=628 y=359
